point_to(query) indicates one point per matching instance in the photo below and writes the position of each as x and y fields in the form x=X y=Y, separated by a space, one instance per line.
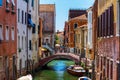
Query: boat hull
x=75 y=72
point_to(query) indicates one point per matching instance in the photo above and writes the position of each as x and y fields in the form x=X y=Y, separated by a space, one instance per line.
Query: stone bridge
x=69 y=56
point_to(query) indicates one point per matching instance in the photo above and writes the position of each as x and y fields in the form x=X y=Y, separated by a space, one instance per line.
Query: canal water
x=56 y=70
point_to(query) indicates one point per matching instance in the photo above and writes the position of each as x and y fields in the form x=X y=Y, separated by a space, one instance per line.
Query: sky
x=62 y=9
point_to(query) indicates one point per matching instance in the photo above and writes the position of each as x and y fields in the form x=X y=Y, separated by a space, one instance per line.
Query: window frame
x=13 y=33
x=1 y=35
x=7 y=33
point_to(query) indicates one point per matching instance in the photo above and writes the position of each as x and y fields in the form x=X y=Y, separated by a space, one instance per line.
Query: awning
x=57 y=45
x=43 y=49
x=30 y=22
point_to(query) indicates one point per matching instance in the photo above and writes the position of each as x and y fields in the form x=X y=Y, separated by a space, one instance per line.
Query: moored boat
x=76 y=71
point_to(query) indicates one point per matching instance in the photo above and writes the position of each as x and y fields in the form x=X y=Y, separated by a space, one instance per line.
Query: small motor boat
x=76 y=71
x=27 y=77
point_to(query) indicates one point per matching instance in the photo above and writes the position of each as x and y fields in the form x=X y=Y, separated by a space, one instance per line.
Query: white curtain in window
x=13 y=2
x=1 y=35
x=7 y=33
x=8 y=1
x=12 y=33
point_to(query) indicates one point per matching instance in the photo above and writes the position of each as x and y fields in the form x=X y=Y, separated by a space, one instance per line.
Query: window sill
x=13 y=11
x=7 y=9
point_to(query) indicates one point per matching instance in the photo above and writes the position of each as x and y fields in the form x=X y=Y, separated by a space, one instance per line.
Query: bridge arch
x=44 y=61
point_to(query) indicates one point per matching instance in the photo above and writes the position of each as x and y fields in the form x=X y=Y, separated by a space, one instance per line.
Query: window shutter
x=118 y=71
x=106 y=22
x=30 y=47
x=111 y=21
x=101 y=26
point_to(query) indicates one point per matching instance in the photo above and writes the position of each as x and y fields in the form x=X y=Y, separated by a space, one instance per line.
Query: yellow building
x=80 y=34
x=81 y=40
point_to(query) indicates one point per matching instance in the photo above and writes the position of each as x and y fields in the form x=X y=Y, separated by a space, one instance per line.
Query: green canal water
x=56 y=70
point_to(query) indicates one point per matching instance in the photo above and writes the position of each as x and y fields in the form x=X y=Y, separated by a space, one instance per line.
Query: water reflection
x=59 y=68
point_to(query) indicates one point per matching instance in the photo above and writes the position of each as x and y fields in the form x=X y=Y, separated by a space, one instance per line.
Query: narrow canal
x=56 y=70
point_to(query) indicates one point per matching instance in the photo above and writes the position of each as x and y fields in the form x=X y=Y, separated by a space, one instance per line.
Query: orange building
x=73 y=23
x=40 y=36
x=8 y=40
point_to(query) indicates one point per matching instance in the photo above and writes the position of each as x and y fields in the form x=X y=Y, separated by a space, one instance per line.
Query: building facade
x=8 y=40
x=35 y=39
x=89 y=52
x=73 y=23
x=21 y=36
x=66 y=31
x=107 y=51
x=48 y=13
x=80 y=21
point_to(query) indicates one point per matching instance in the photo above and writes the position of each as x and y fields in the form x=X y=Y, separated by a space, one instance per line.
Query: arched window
x=75 y=25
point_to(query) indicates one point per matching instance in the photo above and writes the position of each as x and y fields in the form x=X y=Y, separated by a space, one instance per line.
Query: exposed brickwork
x=8 y=47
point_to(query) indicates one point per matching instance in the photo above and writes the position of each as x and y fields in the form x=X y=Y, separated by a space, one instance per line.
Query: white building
x=21 y=34
x=89 y=41
x=90 y=27
x=24 y=37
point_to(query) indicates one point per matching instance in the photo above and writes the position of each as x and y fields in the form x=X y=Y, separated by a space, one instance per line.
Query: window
x=38 y=29
x=7 y=2
x=32 y=4
x=107 y=68
x=1 y=63
x=18 y=42
x=33 y=30
x=22 y=42
x=13 y=5
x=22 y=17
x=18 y=15
x=25 y=17
x=90 y=17
x=7 y=33
x=36 y=47
x=75 y=25
x=111 y=70
x=13 y=33
x=118 y=20
x=40 y=42
x=1 y=32
x=106 y=23
x=30 y=47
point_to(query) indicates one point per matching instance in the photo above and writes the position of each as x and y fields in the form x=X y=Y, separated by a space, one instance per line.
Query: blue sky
x=63 y=6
